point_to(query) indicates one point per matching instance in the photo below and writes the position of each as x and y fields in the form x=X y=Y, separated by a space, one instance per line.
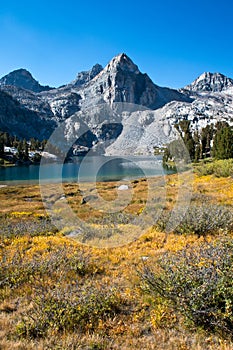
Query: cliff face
x=117 y=108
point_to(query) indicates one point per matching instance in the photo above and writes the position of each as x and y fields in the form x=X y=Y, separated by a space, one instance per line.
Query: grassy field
x=159 y=291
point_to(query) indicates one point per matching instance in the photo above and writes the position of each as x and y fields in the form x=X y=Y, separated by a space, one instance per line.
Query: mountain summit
x=23 y=79
x=215 y=82
x=86 y=76
x=122 y=81
x=123 y=62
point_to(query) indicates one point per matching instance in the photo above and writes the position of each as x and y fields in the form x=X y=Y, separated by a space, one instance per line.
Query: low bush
x=32 y=227
x=71 y=308
x=200 y=219
x=63 y=263
x=219 y=168
x=197 y=283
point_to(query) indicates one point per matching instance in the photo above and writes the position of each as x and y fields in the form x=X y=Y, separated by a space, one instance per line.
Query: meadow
x=160 y=290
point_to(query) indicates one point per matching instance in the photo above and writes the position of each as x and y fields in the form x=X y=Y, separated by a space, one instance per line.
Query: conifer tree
x=223 y=143
x=1 y=146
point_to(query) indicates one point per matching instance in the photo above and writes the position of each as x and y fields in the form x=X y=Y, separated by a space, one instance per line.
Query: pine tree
x=25 y=150
x=1 y=146
x=187 y=137
x=196 y=139
x=206 y=137
x=223 y=143
x=6 y=139
x=20 y=149
x=15 y=142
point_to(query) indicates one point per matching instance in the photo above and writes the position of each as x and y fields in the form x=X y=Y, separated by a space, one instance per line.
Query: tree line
x=212 y=141
x=22 y=145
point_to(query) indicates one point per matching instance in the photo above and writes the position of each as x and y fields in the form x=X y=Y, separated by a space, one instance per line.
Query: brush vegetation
x=162 y=291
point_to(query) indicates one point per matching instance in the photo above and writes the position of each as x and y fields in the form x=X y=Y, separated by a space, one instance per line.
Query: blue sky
x=172 y=41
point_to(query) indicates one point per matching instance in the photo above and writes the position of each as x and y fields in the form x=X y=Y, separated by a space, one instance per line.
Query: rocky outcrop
x=65 y=105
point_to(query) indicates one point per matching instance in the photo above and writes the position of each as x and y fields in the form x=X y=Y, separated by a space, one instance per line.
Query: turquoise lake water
x=94 y=168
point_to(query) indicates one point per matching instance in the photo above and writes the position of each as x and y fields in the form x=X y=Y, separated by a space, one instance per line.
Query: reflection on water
x=93 y=168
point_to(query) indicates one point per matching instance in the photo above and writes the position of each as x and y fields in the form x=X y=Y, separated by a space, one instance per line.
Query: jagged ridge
x=207 y=81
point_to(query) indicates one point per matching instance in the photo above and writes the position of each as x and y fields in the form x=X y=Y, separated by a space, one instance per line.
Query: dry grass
x=139 y=322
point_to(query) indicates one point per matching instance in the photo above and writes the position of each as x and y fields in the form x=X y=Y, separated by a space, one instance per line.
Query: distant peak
x=96 y=69
x=21 y=71
x=208 y=81
x=85 y=76
x=210 y=74
x=22 y=78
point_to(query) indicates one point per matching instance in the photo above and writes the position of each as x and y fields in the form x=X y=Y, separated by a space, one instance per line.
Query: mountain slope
x=19 y=121
x=144 y=130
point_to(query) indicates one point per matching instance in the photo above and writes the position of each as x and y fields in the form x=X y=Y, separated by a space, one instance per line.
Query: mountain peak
x=123 y=62
x=22 y=78
x=122 y=57
x=86 y=76
x=207 y=81
x=121 y=81
x=21 y=71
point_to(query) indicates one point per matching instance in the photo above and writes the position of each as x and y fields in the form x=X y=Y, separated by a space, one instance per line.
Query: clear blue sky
x=173 y=41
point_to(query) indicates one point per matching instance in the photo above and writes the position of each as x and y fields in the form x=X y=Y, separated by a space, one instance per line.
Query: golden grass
x=143 y=325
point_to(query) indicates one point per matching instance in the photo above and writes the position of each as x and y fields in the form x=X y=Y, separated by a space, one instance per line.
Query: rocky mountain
x=23 y=79
x=113 y=110
x=121 y=81
x=86 y=76
x=144 y=130
x=214 y=82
